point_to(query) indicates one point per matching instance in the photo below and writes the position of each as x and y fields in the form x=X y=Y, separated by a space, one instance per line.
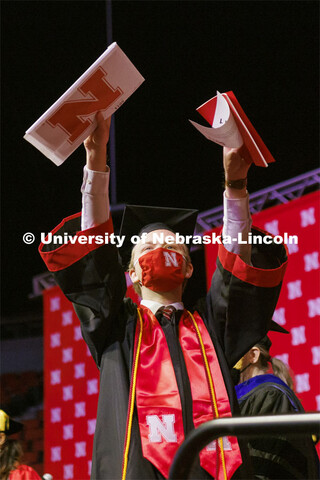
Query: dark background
x=265 y=51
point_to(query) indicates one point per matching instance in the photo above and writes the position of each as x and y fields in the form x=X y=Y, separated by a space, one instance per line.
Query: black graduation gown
x=237 y=313
x=280 y=457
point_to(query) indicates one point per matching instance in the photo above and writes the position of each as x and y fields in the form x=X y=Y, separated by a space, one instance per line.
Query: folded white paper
x=224 y=130
x=230 y=127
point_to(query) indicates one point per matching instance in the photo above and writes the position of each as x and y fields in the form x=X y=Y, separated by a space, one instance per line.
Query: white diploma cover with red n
x=105 y=86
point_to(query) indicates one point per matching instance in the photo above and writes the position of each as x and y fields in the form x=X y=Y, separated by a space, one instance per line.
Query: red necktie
x=166 y=312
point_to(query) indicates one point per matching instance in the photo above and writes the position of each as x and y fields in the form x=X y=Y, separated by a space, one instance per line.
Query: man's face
x=153 y=240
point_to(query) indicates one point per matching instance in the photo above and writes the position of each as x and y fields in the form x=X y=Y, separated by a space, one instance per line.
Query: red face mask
x=161 y=270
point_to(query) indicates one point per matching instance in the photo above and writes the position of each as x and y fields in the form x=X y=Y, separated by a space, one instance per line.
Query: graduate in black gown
x=262 y=393
x=163 y=372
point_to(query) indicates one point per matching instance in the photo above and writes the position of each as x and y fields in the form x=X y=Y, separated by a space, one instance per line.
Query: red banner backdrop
x=71 y=386
x=71 y=376
x=298 y=308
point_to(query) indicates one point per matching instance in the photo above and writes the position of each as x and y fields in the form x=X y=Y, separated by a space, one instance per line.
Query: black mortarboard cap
x=275 y=327
x=138 y=219
x=265 y=342
x=8 y=425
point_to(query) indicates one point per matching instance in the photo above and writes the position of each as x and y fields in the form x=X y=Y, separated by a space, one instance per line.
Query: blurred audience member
x=11 y=452
x=262 y=393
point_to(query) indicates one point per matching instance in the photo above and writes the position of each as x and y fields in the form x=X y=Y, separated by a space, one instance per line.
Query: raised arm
x=237 y=218
x=247 y=281
x=90 y=273
x=95 y=185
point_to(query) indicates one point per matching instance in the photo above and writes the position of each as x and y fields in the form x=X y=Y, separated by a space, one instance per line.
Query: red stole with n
x=158 y=401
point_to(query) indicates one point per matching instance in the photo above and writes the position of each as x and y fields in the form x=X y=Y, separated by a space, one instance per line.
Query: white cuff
x=95 y=183
x=95 y=198
x=236 y=208
x=237 y=219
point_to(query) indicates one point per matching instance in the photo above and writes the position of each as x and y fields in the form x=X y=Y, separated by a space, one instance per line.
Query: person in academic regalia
x=11 y=453
x=262 y=393
x=163 y=370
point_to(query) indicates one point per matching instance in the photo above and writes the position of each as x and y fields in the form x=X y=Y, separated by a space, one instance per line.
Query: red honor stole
x=158 y=401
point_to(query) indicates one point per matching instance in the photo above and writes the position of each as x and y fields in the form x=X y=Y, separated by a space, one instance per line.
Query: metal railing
x=296 y=424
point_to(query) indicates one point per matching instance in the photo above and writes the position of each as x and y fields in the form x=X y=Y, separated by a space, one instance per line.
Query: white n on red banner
x=71 y=386
x=298 y=308
x=71 y=391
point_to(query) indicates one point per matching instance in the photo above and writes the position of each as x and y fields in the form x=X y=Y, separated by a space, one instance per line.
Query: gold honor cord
x=131 y=401
x=213 y=397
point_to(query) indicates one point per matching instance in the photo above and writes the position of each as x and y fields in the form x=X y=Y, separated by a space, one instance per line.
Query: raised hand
x=235 y=168
x=96 y=144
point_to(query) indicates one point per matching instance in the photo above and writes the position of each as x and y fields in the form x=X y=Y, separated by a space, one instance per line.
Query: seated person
x=164 y=370
x=263 y=393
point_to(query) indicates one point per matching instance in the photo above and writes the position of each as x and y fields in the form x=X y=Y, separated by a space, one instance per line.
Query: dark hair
x=10 y=456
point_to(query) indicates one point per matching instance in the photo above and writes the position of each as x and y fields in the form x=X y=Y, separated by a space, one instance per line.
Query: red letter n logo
x=73 y=115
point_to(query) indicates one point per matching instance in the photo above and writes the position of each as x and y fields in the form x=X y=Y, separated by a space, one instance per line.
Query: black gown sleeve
x=92 y=278
x=242 y=298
